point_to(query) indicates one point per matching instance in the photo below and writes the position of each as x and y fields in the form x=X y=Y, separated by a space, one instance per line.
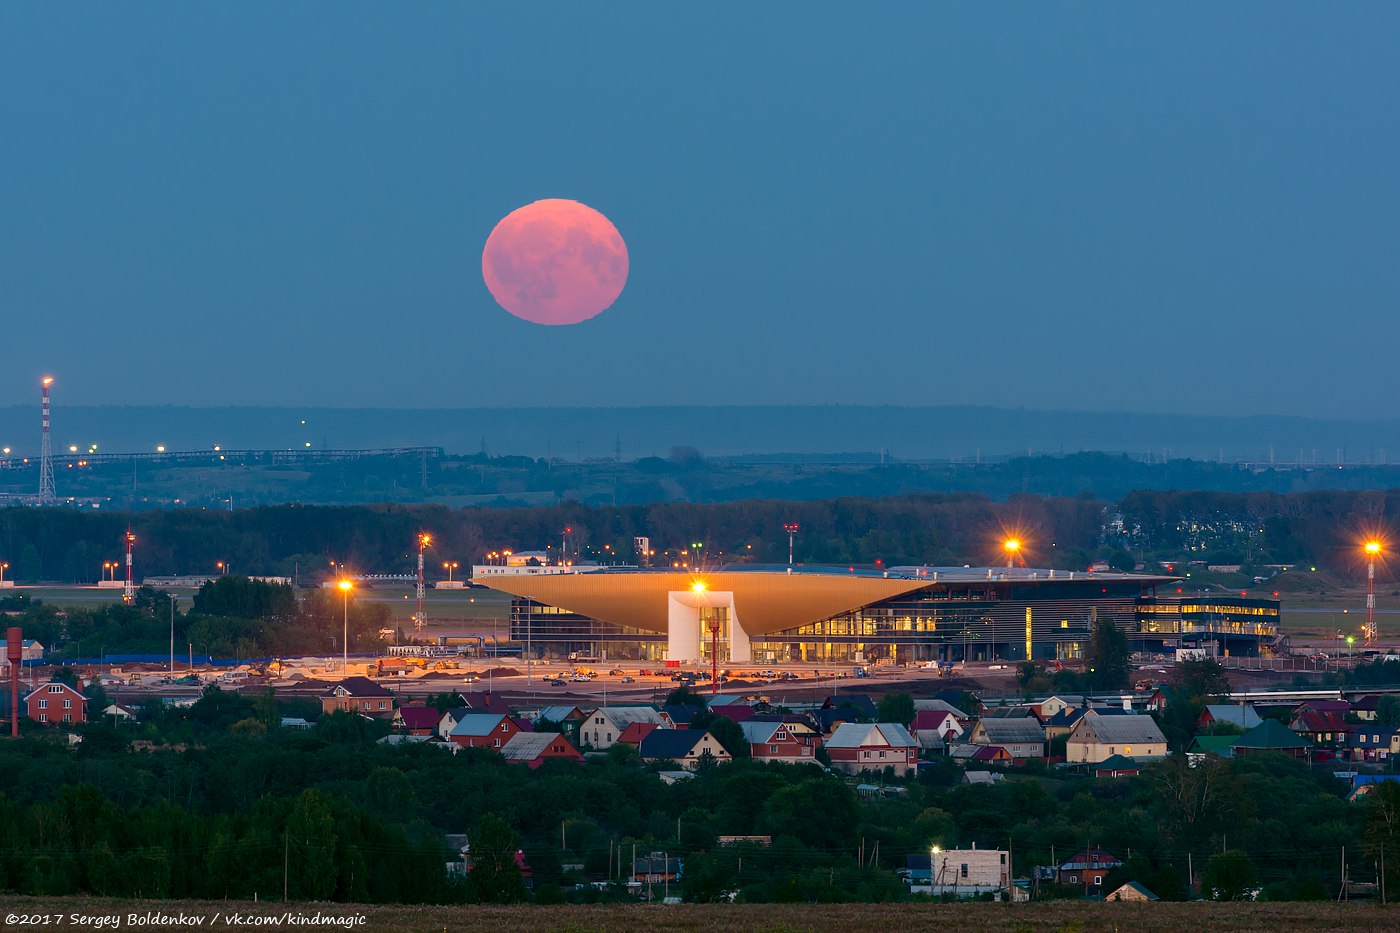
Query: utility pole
x=172 y=636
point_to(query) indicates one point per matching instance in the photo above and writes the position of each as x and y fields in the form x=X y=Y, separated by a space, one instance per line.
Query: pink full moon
x=555 y=262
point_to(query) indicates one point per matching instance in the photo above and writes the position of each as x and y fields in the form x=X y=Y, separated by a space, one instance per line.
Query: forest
x=223 y=802
x=69 y=546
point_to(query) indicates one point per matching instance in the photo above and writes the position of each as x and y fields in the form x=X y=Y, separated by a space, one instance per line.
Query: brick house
x=856 y=747
x=781 y=741
x=533 y=748
x=484 y=730
x=358 y=695
x=1086 y=870
x=56 y=703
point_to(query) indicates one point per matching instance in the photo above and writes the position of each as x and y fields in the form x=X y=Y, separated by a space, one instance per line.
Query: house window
x=1098 y=880
x=806 y=750
x=56 y=688
x=381 y=704
x=964 y=869
x=504 y=727
x=495 y=743
x=1073 y=879
x=867 y=754
x=67 y=703
x=609 y=736
x=772 y=749
x=43 y=717
x=1128 y=750
x=43 y=704
x=67 y=717
x=882 y=753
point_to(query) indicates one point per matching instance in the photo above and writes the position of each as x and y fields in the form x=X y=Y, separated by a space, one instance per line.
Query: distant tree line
x=62 y=545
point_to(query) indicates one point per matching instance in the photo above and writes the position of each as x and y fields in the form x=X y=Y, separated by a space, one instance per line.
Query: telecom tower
x=420 y=617
x=129 y=591
x=47 y=496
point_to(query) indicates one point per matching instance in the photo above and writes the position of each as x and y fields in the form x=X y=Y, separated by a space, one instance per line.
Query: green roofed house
x=1116 y=766
x=1271 y=736
x=1214 y=745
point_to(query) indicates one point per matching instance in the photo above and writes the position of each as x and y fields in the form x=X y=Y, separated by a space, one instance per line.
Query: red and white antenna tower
x=791 y=528
x=129 y=591
x=47 y=496
x=421 y=617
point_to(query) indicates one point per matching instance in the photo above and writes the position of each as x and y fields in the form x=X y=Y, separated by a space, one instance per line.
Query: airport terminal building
x=755 y=614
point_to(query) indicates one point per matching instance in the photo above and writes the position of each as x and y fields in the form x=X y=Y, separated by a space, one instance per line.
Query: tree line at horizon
x=68 y=546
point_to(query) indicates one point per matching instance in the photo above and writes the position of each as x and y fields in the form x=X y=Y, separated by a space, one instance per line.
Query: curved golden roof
x=763 y=602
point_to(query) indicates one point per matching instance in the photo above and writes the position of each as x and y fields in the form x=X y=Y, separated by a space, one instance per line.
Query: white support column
x=740 y=650
x=682 y=629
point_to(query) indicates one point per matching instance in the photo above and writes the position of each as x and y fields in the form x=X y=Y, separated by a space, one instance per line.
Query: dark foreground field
x=98 y=913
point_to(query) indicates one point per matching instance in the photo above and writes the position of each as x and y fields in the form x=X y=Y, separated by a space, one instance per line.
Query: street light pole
x=791 y=528
x=345 y=586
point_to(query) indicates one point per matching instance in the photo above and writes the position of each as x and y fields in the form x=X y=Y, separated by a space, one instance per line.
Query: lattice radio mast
x=47 y=495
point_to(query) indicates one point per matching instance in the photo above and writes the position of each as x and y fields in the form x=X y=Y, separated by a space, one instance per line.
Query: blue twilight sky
x=1167 y=207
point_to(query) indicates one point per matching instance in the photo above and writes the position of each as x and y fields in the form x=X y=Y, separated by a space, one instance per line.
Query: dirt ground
x=1052 y=917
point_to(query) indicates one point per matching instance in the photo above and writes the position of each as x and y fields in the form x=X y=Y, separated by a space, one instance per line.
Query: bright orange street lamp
x=1373 y=550
x=1012 y=546
x=345 y=587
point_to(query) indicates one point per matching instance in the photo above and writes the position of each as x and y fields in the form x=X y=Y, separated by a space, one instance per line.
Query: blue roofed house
x=686 y=747
x=1240 y=715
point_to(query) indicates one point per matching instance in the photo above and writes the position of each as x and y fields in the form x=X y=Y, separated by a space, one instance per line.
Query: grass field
x=777 y=918
x=444 y=607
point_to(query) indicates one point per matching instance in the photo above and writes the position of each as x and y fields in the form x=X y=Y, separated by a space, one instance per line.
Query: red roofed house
x=636 y=731
x=358 y=695
x=417 y=720
x=939 y=721
x=739 y=712
x=1325 y=728
x=55 y=703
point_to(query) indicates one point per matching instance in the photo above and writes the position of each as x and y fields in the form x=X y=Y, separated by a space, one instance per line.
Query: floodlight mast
x=1373 y=550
